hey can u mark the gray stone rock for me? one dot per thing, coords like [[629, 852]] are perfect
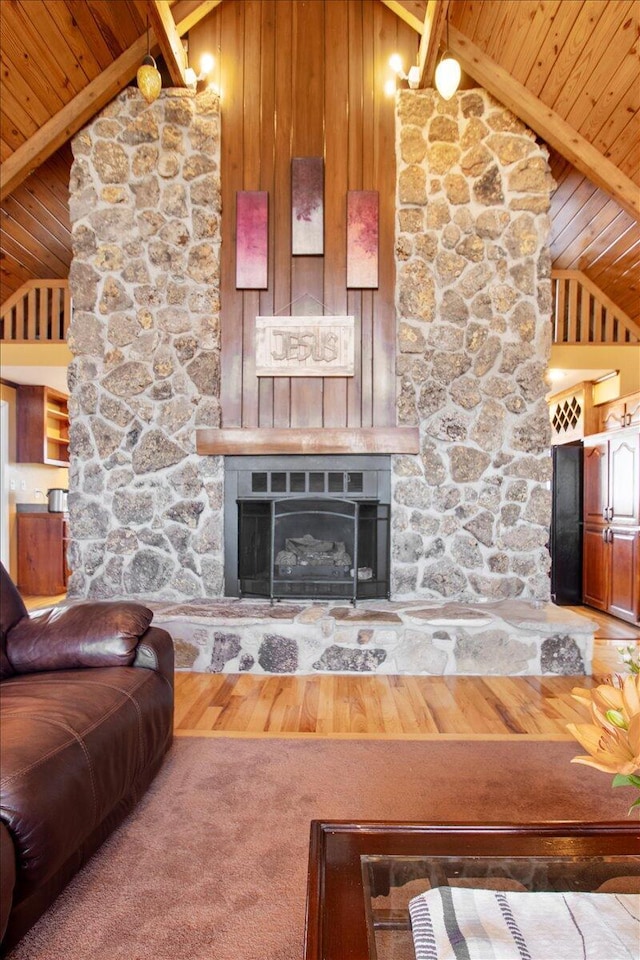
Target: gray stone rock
[[128, 379], [488, 188], [412, 185], [278, 654], [466, 552], [155, 452], [407, 548], [432, 397], [467, 464], [444, 579], [83, 282], [481, 526], [107, 437], [245, 663], [147, 573], [132, 506], [204, 371], [404, 580], [465, 392], [186, 511], [88, 520], [498, 588], [337, 659], [561, 655], [492, 652], [226, 646], [121, 541], [416, 291]]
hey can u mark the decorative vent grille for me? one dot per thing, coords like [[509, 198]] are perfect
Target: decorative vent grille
[[313, 481], [567, 415]]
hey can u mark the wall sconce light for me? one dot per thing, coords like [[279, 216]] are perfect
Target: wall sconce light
[[148, 75], [206, 66], [448, 73], [412, 78]]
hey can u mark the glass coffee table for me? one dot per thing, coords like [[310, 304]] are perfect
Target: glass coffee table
[[362, 875]]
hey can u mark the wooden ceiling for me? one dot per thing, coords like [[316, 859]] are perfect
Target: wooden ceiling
[[571, 65]]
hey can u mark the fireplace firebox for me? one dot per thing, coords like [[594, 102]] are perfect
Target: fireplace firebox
[[307, 527]]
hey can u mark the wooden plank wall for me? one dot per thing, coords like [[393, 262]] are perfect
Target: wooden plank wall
[[306, 78]]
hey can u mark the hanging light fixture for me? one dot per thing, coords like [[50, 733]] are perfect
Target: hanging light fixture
[[148, 76], [448, 73]]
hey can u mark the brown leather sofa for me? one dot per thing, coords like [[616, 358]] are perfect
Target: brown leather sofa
[[86, 717]]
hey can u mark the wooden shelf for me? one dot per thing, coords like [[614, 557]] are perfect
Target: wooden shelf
[[43, 426]]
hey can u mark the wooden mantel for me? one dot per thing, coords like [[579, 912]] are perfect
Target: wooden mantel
[[235, 441]]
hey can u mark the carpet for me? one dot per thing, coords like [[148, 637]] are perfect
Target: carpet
[[212, 864]]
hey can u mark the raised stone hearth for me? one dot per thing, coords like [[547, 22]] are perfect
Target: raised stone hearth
[[506, 638]]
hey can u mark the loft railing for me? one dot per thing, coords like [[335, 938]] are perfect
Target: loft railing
[[584, 314], [39, 312]]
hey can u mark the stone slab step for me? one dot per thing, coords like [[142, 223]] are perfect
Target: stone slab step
[[502, 638]]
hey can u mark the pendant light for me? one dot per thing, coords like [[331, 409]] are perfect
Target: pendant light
[[448, 73], [148, 76]]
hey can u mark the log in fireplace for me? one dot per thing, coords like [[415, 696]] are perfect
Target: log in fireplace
[[307, 527]]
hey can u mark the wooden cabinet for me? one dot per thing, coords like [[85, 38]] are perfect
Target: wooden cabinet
[[624, 412], [42, 541], [611, 534], [42, 426]]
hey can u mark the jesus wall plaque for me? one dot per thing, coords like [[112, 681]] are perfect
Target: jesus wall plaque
[[304, 347]]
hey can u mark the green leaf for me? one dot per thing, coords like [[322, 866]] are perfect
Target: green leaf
[[636, 803], [621, 780], [634, 780]]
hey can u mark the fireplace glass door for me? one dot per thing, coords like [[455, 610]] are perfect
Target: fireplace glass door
[[310, 548]]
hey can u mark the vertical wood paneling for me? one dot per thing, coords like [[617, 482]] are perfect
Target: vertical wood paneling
[[308, 141], [267, 173], [282, 190], [306, 78], [336, 175], [232, 154]]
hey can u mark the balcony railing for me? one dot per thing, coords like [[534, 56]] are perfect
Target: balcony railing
[[39, 312], [583, 314]]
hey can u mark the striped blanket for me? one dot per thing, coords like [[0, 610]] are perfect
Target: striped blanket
[[452, 923]]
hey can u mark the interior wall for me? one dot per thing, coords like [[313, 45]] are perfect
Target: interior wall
[[595, 357], [297, 79]]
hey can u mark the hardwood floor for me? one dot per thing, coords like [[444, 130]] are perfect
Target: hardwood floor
[[394, 706], [389, 706]]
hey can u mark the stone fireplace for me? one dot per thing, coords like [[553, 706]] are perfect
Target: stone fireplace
[[469, 514]]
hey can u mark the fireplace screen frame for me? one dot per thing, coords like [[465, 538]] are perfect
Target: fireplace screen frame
[[270, 488]]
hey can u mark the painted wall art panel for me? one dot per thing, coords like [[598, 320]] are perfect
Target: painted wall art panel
[[252, 239], [362, 239], [307, 205]]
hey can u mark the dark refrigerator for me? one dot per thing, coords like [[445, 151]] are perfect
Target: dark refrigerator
[[566, 524]]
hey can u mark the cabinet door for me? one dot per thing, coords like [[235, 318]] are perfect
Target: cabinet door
[[624, 482], [40, 566], [613, 415], [624, 599], [595, 567], [633, 410], [596, 481]]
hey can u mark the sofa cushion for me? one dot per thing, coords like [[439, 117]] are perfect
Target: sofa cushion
[[73, 745], [94, 634]]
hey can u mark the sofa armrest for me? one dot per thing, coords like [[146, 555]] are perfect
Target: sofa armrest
[[155, 652], [7, 876], [91, 634]]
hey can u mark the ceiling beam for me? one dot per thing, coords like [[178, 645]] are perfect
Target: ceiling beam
[[545, 122], [400, 11], [435, 19], [169, 40], [73, 116]]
